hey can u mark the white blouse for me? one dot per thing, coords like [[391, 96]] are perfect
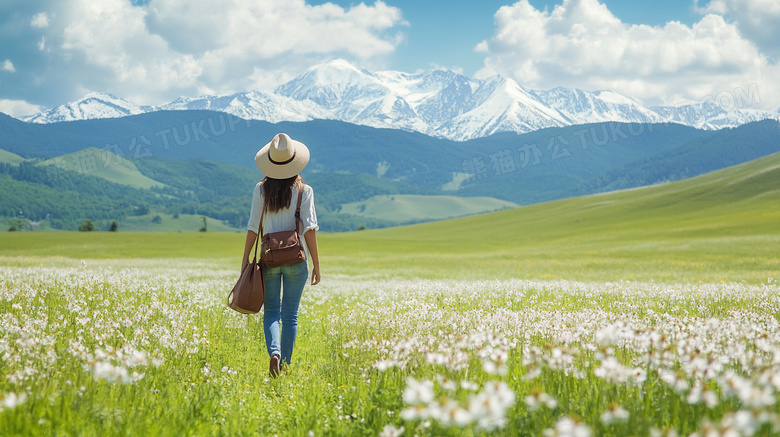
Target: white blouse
[[283, 220]]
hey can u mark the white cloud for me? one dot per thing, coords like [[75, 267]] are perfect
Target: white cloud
[[581, 43], [9, 66], [40, 20], [172, 47], [758, 20], [18, 108], [42, 44], [112, 34]]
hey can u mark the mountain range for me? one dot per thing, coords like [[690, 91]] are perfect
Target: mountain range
[[192, 163], [437, 103]]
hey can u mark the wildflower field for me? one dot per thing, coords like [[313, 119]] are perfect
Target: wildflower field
[[646, 313], [146, 346]]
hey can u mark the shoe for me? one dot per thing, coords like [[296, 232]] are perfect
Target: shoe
[[273, 369]]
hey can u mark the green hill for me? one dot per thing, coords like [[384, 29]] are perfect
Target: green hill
[[105, 165], [404, 208], [10, 158], [724, 221]]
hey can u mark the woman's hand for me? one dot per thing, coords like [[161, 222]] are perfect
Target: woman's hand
[[315, 275]]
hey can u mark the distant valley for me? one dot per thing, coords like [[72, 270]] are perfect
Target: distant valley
[[146, 169]]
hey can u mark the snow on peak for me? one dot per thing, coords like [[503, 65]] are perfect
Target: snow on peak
[[337, 63], [334, 71], [336, 86], [581, 107], [102, 96], [613, 97], [92, 106]]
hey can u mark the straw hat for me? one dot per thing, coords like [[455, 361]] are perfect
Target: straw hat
[[282, 158]]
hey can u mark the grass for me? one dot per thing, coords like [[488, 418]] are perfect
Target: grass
[[659, 306], [104, 164], [167, 223], [10, 158], [403, 208]]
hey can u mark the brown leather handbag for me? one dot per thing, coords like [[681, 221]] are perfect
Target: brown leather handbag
[[248, 295], [283, 248]]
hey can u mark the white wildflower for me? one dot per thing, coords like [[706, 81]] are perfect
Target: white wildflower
[[415, 412], [615, 413], [446, 383], [435, 359], [668, 432], [111, 373], [533, 374], [567, 427], [448, 412], [12, 400], [468, 385], [418, 392], [489, 407], [609, 335], [700, 393], [537, 399], [137, 358], [496, 362], [755, 397], [391, 431], [639, 375], [383, 365]]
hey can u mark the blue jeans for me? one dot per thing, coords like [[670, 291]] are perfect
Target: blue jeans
[[283, 307]]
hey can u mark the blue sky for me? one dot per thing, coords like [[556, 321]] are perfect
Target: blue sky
[[153, 51], [444, 32]]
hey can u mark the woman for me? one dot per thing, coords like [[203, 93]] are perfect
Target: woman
[[281, 161]]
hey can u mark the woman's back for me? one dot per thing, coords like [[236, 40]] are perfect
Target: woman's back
[[284, 219]]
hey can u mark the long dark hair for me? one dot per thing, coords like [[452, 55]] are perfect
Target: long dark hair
[[278, 192]]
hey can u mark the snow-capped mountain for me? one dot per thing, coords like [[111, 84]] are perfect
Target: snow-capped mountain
[[501, 105], [93, 105], [438, 103], [355, 95], [590, 107], [710, 115], [254, 105]]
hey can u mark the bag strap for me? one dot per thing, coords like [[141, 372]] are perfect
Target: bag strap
[[262, 214], [298, 221]]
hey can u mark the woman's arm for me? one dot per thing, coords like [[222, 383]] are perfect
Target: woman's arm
[[250, 243], [311, 242]]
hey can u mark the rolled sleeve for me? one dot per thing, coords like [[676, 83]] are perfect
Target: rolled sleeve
[[308, 214], [254, 216]]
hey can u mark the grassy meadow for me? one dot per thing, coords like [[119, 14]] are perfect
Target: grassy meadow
[[405, 208], [650, 312]]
